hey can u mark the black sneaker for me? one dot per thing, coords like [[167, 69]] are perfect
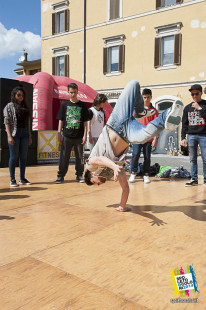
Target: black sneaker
[[59, 180], [191, 183], [145, 113], [13, 183], [24, 182], [80, 179]]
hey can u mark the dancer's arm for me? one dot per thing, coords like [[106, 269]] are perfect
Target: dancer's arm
[[125, 189], [103, 161]]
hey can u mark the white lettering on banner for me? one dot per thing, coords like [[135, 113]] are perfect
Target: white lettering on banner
[[82, 96], [64, 92], [35, 110]]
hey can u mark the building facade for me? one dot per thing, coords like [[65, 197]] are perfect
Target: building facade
[[106, 43]]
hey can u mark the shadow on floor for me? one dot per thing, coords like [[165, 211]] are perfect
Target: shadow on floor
[[195, 212], [4, 217]]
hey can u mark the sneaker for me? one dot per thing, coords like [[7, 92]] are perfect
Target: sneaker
[[174, 116], [132, 177], [192, 183], [24, 182], [146, 179], [59, 180], [145, 113], [13, 183], [80, 179]]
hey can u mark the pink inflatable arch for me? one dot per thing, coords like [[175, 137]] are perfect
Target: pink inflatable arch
[[48, 93]]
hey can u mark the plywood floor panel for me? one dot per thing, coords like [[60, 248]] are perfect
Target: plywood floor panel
[[30, 285]]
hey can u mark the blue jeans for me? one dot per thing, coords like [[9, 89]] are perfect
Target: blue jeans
[[126, 126], [66, 147], [193, 141], [136, 151], [19, 150]]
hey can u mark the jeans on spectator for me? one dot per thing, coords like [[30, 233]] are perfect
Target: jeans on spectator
[[19, 151], [193, 141], [66, 147], [125, 125], [136, 151]]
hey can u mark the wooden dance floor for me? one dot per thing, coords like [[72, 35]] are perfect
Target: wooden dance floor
[[63, 246]]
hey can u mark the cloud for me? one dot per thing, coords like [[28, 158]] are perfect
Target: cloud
[[13, 42]]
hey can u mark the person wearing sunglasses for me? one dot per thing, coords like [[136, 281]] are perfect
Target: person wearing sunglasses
[[194, 127], [17, 120]]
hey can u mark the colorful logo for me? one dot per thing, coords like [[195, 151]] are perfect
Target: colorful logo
[[184, 282]]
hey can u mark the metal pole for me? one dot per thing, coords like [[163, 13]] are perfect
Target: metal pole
[[85, 15]]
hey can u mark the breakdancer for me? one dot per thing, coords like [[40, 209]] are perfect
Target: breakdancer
[[107, 157]]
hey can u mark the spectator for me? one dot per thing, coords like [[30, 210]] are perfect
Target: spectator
[[96, 124], [73, 117], [17, 120], [146, 147], [194, 126]]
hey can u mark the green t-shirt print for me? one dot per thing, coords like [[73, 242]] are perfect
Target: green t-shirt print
[[73, 116]]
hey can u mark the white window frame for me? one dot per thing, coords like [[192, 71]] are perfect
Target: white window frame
[[108, 11], [59, 52], [166, 31], [115, 41]]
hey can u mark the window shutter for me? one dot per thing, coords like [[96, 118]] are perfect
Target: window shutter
[[105, 60], [114, 9], [66, 65], [53, 23], [157, 52], [158, 4], [179, 1], [54, 70], [177, 48], [121, 57], [66, 20]]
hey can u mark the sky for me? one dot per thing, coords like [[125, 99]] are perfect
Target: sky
[[20, 28]]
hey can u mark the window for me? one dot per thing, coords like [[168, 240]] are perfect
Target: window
[[168, 46], [167, 50], [113, 55], [114, 9], [60, 22], [60, 61], [60, 18], [164, 3]]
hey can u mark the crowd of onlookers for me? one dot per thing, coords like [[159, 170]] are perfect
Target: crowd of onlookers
[[77, 122]]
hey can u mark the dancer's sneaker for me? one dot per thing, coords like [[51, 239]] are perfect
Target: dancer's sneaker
[[132, 177], [174, 116], [192, 182], [145, 113]]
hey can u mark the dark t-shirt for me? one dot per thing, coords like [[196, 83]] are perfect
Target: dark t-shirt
[[22, 115], [73, 115], [194, 121]]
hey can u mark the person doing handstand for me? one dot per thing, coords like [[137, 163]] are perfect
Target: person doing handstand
[[107, 156]]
